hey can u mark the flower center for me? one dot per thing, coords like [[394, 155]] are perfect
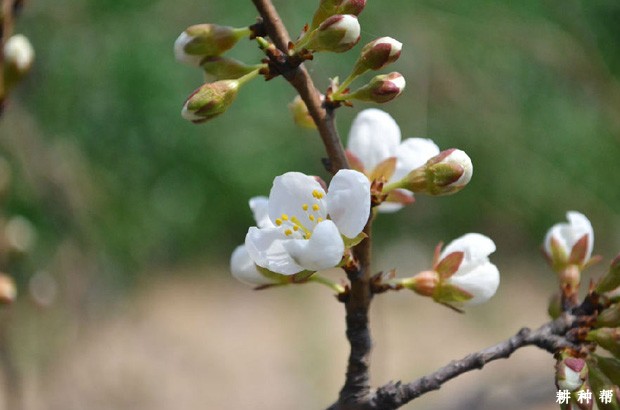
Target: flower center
[[300, 226]]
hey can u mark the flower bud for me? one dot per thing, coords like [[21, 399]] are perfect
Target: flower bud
[[301, 116], [224, 68], [424, 283], [8, 291], [380, 89], [444, 174], [606, 337], [337, 34], [609, 317], [18, 58], [210, 100], [570, 243], [570, 373], [600, 382], [377, 54], [205, 40], [328, 8], [610, 366], [611, 281]]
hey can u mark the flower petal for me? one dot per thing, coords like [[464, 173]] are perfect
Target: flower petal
[[323, 250], [474, 245], [290, 192], [481, 282], [348, 201], [567, 234], [412, 153], [260, 209], [266, 248], [373, 137], [244, 269]]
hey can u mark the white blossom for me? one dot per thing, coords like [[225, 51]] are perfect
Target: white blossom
[[564, 236]]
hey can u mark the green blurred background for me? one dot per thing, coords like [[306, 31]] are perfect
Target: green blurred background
[[119, 189]]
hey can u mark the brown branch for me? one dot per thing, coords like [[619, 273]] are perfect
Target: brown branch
[[549, 337], [302, 82]]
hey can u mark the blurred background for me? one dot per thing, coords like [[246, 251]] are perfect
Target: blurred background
[[121, 216]]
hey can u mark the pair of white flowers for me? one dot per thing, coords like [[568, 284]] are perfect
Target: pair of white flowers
[[302, 228]]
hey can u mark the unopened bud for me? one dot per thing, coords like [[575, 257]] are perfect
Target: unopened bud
[[571, 373], [337, 34], [224, 68], [606, 337], [18, 58], [610, 366], [600, 382], [8, 291], [444, 174], [206, 40], [377, 54], [380, 89], [328, 8], [210, 100], [609, 317], [301, 116], [612, 280]]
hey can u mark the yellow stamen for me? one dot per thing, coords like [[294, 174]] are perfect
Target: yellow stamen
[[311, 217], [295, 228], [304, 207], [288, 232], [284, 217], [278, 221], [320, 220], [315, 207]]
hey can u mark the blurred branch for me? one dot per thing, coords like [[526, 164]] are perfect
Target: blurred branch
[[6, 28]]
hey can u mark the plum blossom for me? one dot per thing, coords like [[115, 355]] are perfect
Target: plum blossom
[[570, 243], [475, 274], [374, 138], [301, 228]]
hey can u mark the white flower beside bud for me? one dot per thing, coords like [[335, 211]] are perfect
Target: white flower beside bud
[[571, 373], [19, 52], [570, 243]]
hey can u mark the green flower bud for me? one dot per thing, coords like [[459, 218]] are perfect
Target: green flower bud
[[337, 34], [210, 100], [611, 367], [607, 338], [206, 40], [377, 54], [380, 89], [609, 317], [444, 174], [224, 68], [301, 116], [328, 8], [612, 280]]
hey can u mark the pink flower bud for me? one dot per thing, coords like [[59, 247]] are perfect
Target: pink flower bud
[[205, 40], [210, 100], [337, 34], [571, 373], [377, 54], [380, 89]]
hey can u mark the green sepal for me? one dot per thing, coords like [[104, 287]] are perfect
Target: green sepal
[[351, 242], [447, 294], [599, 381], [449, 265], [610, 367]]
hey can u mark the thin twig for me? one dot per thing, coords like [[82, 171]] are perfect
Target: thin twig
[[302, 82]]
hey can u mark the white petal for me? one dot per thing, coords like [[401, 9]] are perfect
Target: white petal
[[373, 137], [244, 269], [267, 249], [260, 209], [323, 250], [567, 234], [18, 50], [290, 192], [180, 53], [351, 28], [482, 282], [474, 245], [412, 153], [389, 207], [348, 201], [461, 158]]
